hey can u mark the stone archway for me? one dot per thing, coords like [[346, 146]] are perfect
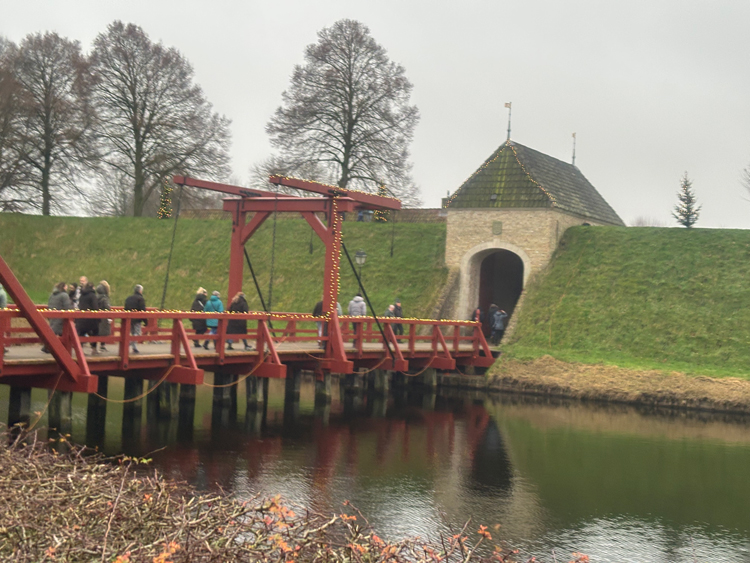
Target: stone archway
[[492, 272]]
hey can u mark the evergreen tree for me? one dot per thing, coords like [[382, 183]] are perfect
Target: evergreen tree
[[686, 211]]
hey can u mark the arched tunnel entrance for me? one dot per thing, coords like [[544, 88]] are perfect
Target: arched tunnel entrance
[[500, 282]]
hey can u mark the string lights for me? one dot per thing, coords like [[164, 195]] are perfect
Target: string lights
[[165, 201]]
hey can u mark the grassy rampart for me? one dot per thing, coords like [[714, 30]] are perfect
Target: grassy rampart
[[126, 251], [670, 299]]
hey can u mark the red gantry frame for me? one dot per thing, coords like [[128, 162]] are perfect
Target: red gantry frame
[[441, 345], [262, 204]]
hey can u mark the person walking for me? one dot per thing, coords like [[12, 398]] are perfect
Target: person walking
[[136, 302], [88, 327], [199, 304], [105, 325], [238, 326], [59, 300], [318, 312], [77, 290], [398, 328], [488, 319], [213, 305], [357, 308], [498, 326]]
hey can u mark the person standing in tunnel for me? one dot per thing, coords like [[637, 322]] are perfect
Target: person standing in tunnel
[[498, 326]]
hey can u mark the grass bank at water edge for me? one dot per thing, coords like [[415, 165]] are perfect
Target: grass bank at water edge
[[128, 250], [643, 298]]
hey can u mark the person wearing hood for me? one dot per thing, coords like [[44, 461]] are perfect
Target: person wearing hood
[[105, 325], [238, 326], [357, 308], [213, 305], [88, 327], [59, 300], [199, 323]]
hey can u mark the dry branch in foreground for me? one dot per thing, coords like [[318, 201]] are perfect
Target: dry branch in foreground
[[76, 507]]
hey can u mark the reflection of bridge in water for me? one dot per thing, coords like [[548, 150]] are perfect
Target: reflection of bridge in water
[[411, 433], [284, 343]]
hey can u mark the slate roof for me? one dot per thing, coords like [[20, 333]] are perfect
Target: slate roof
[[517, 176]]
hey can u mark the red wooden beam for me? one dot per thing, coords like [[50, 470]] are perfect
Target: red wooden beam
[[224, 188], [38, 322], [289, 205], [365, 200]]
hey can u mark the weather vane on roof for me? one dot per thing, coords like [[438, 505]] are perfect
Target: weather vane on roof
[[507, 105], [574, 149]]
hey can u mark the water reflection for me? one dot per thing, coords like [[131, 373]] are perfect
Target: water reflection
[[618, 483]]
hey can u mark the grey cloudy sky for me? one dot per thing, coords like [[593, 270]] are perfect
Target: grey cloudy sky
[[653, 88]]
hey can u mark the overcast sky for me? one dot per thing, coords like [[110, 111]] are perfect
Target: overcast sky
[[652, 88]]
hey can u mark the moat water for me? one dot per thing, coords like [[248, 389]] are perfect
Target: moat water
[[617, 483]]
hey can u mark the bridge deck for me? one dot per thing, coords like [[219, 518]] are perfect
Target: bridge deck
[[167, 348], [28, 355]]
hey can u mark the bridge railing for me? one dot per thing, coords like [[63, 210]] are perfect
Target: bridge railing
[[438, 341]]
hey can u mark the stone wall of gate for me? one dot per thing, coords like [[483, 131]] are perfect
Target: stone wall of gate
[[474, 234]]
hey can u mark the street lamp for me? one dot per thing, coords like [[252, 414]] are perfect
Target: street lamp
[[360, 258]]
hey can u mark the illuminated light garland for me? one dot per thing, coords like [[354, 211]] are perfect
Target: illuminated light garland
[[165, 201], [508, 143]]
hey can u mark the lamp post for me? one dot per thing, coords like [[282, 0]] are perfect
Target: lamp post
[[360, 258]]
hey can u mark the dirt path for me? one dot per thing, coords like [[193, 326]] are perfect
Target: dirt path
[[548, 376]]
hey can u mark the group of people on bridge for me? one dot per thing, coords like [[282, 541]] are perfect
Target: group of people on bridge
[[83, 296]]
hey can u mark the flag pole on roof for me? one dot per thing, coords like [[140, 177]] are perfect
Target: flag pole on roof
[[574, 150], [507, 105]]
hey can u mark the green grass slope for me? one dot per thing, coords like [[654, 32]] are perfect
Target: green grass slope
[[126, 251], [674, 299]]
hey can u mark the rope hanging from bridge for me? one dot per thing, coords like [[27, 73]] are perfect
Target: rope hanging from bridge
[[364, 294], [171, 248], [273, 250], [239, 379]]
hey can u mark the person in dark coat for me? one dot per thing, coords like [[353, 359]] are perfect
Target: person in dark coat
[[88, 327], [398, 329], [477, 316], [498, 326], [136, 302], [59, 300], [73, 294], [105, 325], [199, 324], [488, 319], [238, 326]]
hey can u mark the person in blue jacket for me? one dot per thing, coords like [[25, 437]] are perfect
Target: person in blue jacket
[[213, 305]]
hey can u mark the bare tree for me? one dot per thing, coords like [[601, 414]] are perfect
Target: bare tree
[[275, 165], [347, 111], [154, 121], [12, 172], [52, 120]]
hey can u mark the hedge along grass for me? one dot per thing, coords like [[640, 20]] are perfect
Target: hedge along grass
[[674, 299], [129, 250]]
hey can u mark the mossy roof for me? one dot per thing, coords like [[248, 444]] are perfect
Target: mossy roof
[[517, 176]]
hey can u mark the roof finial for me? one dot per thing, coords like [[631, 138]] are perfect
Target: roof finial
[[507, 105], [574, 149]]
